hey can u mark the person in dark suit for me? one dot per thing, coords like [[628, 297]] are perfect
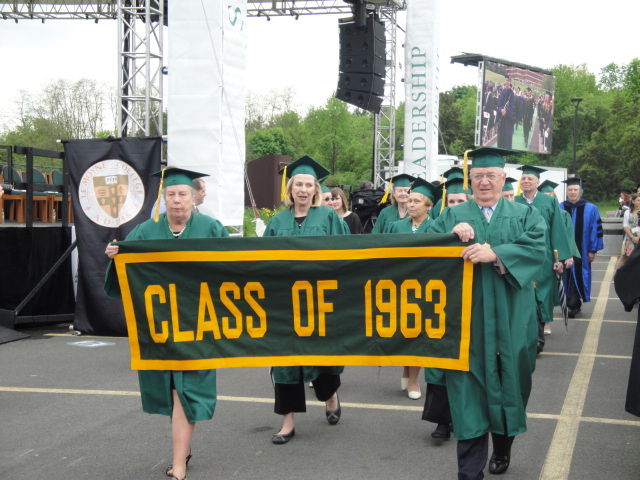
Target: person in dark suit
[[527, 116], [506, 114]]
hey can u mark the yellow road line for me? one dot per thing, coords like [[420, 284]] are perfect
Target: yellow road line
[[355, 405], [569, 354], [558, 461]]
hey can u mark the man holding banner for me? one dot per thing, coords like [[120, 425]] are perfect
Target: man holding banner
[[509, 240]]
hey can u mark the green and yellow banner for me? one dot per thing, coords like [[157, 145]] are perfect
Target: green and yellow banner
[[402, 299]]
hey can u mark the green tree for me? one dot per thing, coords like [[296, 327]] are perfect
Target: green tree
[[339, 139], [271, 141]]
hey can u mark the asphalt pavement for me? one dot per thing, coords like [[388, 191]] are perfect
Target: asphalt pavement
[[70, 409]]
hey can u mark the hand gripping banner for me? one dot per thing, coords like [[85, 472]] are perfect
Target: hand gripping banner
[[358, 300]]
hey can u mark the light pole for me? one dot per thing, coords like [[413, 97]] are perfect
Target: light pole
[[576, 102]]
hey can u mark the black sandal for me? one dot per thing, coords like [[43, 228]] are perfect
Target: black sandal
[[170, 467]]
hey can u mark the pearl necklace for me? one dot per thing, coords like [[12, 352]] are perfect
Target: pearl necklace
[[176, 235]]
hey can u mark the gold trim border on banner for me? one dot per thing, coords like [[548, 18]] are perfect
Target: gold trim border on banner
[[137, 363]]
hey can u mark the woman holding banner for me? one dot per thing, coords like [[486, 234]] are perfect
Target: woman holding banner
[[421, 197], [304, 216], [187, 396]]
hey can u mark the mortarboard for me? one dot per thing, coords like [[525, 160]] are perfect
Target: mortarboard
[[177, 176], [420, 185], [531, 170], [508, 184], [455, 185], [485, 157], [547, 186], [170, 177], [401, 180], [453, 172], [305, 165], [573, 181]]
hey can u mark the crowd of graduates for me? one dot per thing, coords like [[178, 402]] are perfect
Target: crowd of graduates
[[524, 246]]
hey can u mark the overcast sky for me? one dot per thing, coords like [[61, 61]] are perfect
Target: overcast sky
[[303, 53]]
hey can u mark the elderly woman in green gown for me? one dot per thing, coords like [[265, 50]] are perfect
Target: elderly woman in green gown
[[189, 396], [422, 196], [304, 216], [399, 188]]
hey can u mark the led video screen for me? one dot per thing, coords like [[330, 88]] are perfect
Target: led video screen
[[515, 110]]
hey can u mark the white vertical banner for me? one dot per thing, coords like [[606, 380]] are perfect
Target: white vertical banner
[[421, 79], [206, 100]]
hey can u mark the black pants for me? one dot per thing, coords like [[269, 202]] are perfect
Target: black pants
[[573, 295], [291, 398], [472, 453], [472, 457], [436, 405]]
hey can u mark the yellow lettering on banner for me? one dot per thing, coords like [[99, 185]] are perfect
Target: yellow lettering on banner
[[368, 317], [148, 303], [206, 308], [407, 309], [438, 308], [261, 329], [225, 288], [303, 286], [178, 335], [324, 307], [389, 307]]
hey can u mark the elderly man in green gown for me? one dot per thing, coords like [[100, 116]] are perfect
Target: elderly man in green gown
[[557, 239], [506, 240]]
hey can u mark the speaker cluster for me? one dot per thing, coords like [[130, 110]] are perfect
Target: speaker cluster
[[362, 64]]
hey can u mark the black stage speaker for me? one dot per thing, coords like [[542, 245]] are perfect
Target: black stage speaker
[[362, 64]]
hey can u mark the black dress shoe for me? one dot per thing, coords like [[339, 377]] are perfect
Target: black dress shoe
[[540, 348], [334, 416], [282, 438], [443, 430], [498, 465]]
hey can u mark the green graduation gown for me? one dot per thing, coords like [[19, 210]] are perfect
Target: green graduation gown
[[404, 226], [320, 221], [502, 320], [435, 211], [387, 216], [557, 239], [196, 389], [431, 375]]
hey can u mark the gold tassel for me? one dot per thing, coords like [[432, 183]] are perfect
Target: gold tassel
[[156, 213], [444, 197], [283, 186], [465, 168], [386, 194], [518, 189]]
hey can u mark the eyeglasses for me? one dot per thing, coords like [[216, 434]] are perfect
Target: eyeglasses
[[492, 177]]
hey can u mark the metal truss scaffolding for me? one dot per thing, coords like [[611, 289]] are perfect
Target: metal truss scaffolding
[[140, 83], [385, 122]]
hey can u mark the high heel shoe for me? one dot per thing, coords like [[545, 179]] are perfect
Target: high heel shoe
[[282, 438], [404, 383], [333, 417], [415, 395], [170, 467]]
